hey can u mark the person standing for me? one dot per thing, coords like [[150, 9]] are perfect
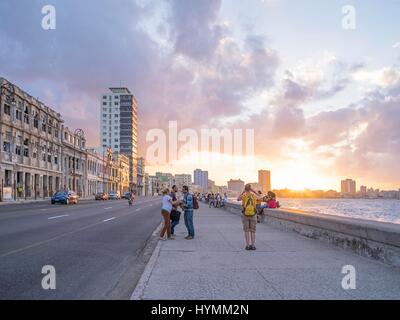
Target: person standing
[[175, 213], [187, 204], [166, 208], [249, 215]]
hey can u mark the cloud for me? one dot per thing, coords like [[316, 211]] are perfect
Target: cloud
[[194, 30]]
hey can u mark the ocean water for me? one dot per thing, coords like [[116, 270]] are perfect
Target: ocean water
[[385, 210]]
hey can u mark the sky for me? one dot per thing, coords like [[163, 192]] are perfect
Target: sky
[[323, 100]]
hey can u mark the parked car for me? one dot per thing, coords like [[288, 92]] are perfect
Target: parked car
[[126, 195], [64, 197], [114, 196], [101, 196]]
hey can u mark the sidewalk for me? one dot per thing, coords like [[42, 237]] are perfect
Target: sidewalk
[[285, 266]]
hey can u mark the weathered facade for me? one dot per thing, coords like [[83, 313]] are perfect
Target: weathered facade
[[31, 146]]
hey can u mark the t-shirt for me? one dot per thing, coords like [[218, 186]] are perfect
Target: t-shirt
[[166, 205], [272, 203]]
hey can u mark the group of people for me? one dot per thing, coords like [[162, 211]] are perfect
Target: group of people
[[253, 205], [171, 213], [216, 200]]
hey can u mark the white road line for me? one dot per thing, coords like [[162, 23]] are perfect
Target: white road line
[[43, 209], [56, 217], [137, 209], [108, 208], [109, 219]]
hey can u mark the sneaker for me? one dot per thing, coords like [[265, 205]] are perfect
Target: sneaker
[[253, 248], [163, 239], [171, 238], [189, 238], [247, 248]]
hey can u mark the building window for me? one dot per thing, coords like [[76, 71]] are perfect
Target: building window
[[26, 115], [116, 146], [36, 122], [44, 126], [104, 103], [6, 146], [7, 109], [56, 160], [18, 150], [49, 158], [18, 115], [26, 152]]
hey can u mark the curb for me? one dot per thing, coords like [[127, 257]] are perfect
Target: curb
[[144, 279]]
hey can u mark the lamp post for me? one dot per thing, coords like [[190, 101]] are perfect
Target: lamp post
[[80, 134]]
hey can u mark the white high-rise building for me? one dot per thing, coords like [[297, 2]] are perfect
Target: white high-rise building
[[118, 126], [200, 178]]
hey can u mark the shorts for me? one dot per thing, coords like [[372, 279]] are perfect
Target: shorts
[[249, 223]]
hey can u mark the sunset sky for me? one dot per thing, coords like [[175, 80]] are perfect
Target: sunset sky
[[324, 102]]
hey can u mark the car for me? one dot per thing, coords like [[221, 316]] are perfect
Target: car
[[64, 197], [126, 195], [114, 195], [101, 196]]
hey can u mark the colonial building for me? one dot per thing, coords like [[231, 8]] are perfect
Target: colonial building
[[31, 145], [140, 168], [121, 170], [94, 172], [39, 155], [74, 161]]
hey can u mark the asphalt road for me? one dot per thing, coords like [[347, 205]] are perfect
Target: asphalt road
[[98, 249]]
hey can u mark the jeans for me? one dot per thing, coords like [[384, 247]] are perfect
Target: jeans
[[260, 208], [189, 222], [174, 223]]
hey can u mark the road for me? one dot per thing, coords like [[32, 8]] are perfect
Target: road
[[96, 248]]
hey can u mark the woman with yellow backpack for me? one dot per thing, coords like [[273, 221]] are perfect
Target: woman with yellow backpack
[[249, 215]]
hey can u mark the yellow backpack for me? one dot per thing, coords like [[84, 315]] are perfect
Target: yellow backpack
[[249, 205]]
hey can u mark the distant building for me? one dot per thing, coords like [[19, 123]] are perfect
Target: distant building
[[363, 190], [348, 186], [264, 180], [182, 179], [200, 178], [236, 185]]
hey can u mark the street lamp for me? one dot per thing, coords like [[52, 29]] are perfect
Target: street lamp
[[80, 134]]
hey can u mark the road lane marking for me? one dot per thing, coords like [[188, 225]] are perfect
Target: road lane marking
[[137, 209], [43, 209], [109, 219], [56, 217], [37, 244], [108, 208]]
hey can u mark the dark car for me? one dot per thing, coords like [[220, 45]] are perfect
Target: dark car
[[126, 195], [64, 197], [101, 196]]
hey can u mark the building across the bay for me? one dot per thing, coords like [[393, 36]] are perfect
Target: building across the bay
[[264, 181], [236, 186], [348, 187]]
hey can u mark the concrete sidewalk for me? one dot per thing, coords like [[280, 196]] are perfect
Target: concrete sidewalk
[[285, 266]]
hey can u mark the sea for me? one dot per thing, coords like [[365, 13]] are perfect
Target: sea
[[385, 210]]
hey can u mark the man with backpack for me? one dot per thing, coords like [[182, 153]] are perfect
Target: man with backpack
[[189, 203], [249, 215]]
